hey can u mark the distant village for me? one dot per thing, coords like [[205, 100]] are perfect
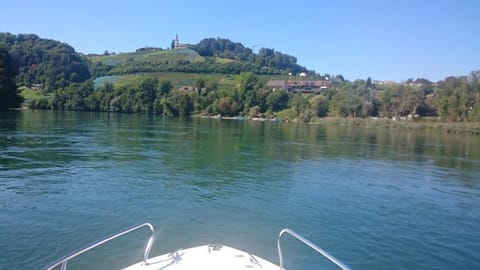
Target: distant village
[[300, 86], [296, 84]]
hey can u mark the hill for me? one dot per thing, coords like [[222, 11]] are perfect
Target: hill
[[49, 65], [208, 56], [44, 63]]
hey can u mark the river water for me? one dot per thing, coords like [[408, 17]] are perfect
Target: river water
[[374, 198]]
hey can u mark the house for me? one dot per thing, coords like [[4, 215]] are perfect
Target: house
[[189, 88], [277, 84], [383, 82], [37, 86], [300, 86], [307, 86]]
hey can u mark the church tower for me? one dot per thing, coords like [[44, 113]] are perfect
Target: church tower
[[177, 44]]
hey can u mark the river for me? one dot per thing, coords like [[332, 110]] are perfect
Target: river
[[374, 198]]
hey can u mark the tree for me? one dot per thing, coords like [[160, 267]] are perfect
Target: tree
[[246, 81], [340, 78], [414, 98], [277, 100], [254, 111], [387, 106], [352, 99], [456, 98], [298, 104], [368, 83], [165, 87], [393, 103], [212, 86], [319, 105], [9, 97], [200, 84], [474, 80], [146, 94], [180, 103]]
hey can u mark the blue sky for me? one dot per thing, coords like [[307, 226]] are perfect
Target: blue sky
[[386, 40]]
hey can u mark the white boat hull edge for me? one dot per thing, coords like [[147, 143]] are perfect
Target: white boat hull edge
[[208, 257]]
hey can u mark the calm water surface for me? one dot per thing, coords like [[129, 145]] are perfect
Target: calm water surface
[[374, 198]]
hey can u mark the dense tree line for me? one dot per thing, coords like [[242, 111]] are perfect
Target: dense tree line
[[225, 48], [9, 97], [207, 66], [458, 98], [159, 97], [43, 61], [266, 58], [454, 99]]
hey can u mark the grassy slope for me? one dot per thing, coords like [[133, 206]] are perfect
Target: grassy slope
[[179, 79], [31, 94], [224, 81], [155, 56]]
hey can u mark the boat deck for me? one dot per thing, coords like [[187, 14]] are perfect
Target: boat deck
[[211, 257]]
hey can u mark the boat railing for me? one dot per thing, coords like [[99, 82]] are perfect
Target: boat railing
[[308, 243], [64, 260]]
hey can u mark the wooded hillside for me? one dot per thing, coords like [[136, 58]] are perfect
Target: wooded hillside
[[44, 63]]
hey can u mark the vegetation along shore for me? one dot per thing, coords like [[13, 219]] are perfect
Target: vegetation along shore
[[220, 78]]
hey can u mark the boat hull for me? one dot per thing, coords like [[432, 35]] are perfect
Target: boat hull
[[211, 257]]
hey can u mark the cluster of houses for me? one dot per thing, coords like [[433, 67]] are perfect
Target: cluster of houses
[[300, 86], [189, 88], [292, 86]]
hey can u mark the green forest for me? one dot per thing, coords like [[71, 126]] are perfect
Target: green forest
[[63, 79]]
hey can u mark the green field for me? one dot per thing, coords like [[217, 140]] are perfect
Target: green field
[[167, 56], [30, 94], [179, 79], [170, 56]]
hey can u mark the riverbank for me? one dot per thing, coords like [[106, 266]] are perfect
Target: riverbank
[[429, 124]]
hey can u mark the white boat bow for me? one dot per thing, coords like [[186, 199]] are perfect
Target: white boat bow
[[211, 257]]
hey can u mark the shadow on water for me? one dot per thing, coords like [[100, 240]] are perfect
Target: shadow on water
[[32, 140], [38, 141]]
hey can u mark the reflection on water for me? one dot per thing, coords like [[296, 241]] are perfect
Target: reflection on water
[[372, 197]]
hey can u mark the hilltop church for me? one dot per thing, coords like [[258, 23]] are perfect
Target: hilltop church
[[178, 45]]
